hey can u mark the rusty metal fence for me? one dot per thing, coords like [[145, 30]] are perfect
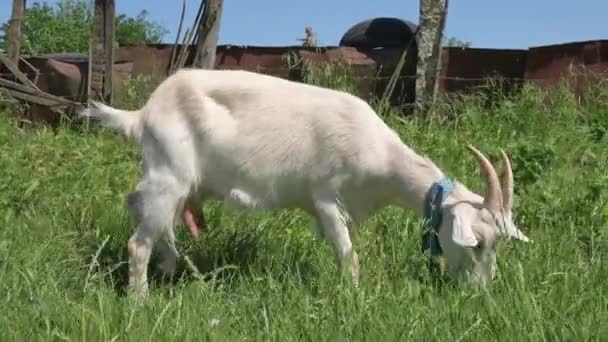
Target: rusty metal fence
[[462, 69]]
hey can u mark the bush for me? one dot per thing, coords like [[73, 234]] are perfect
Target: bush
[[135, 91], [67, 27]]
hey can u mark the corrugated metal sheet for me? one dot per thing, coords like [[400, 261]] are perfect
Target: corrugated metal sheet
[[462, 69], [155, 59], [547, 64]]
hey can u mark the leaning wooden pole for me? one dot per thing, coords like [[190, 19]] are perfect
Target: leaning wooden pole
[[437, 50], [102, 52], [14, 31], [208, 35]]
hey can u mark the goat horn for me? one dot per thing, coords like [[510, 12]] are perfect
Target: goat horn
[[493, 196], [507, 182]]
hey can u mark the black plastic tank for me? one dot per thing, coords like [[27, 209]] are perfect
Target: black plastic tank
[[379, 32]]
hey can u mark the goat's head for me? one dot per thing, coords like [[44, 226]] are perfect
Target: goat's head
[[471, 228]]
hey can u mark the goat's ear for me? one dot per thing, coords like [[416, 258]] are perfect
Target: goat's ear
[[462, 232]]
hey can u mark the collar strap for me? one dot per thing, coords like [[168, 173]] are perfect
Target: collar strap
[[433, 201]]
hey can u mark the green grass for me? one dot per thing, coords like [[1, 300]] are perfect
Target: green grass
[[64, 228]]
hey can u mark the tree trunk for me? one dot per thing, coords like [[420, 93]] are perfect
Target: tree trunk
[[208, 35], [102, 52], [14, 31], [432, 22]]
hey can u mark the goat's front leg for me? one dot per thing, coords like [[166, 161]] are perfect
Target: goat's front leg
[[335, 230]]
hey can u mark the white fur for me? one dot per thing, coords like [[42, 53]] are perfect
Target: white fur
[[262, 142]]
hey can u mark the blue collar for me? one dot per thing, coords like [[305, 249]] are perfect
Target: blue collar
[[432, 214]]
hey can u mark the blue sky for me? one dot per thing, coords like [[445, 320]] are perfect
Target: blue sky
[[485, 23]]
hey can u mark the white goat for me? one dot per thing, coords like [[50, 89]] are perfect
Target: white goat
[[257, 141]]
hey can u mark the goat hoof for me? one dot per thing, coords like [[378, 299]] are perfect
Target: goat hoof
[[138, 294]]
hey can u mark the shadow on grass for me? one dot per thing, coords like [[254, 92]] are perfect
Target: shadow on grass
[[219, 255], [414, 265], [231, 255]]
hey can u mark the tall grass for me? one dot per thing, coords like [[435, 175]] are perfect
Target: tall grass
[[64, 230]]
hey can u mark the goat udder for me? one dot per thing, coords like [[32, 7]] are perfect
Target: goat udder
[[190, 220]]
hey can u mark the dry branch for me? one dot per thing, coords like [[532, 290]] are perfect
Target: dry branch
[[390, 87], [32, 68], [179, 32], [26, 90], [14, 68], [26, 93], [184, 51]]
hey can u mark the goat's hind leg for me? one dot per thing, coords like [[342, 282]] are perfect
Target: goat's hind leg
[[153, 207], [168, 253]]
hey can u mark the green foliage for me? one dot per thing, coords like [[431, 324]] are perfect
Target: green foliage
[[332, 74], [67, 28], [48, 29], [135, 92], [455, 42], [138, 30], [64, 229]]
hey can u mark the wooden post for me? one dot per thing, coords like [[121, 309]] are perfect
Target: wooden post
[[432, 22], [14, 31], [208, 35], [102, 51]]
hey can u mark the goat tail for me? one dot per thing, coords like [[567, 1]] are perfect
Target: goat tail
[[126, 121]]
